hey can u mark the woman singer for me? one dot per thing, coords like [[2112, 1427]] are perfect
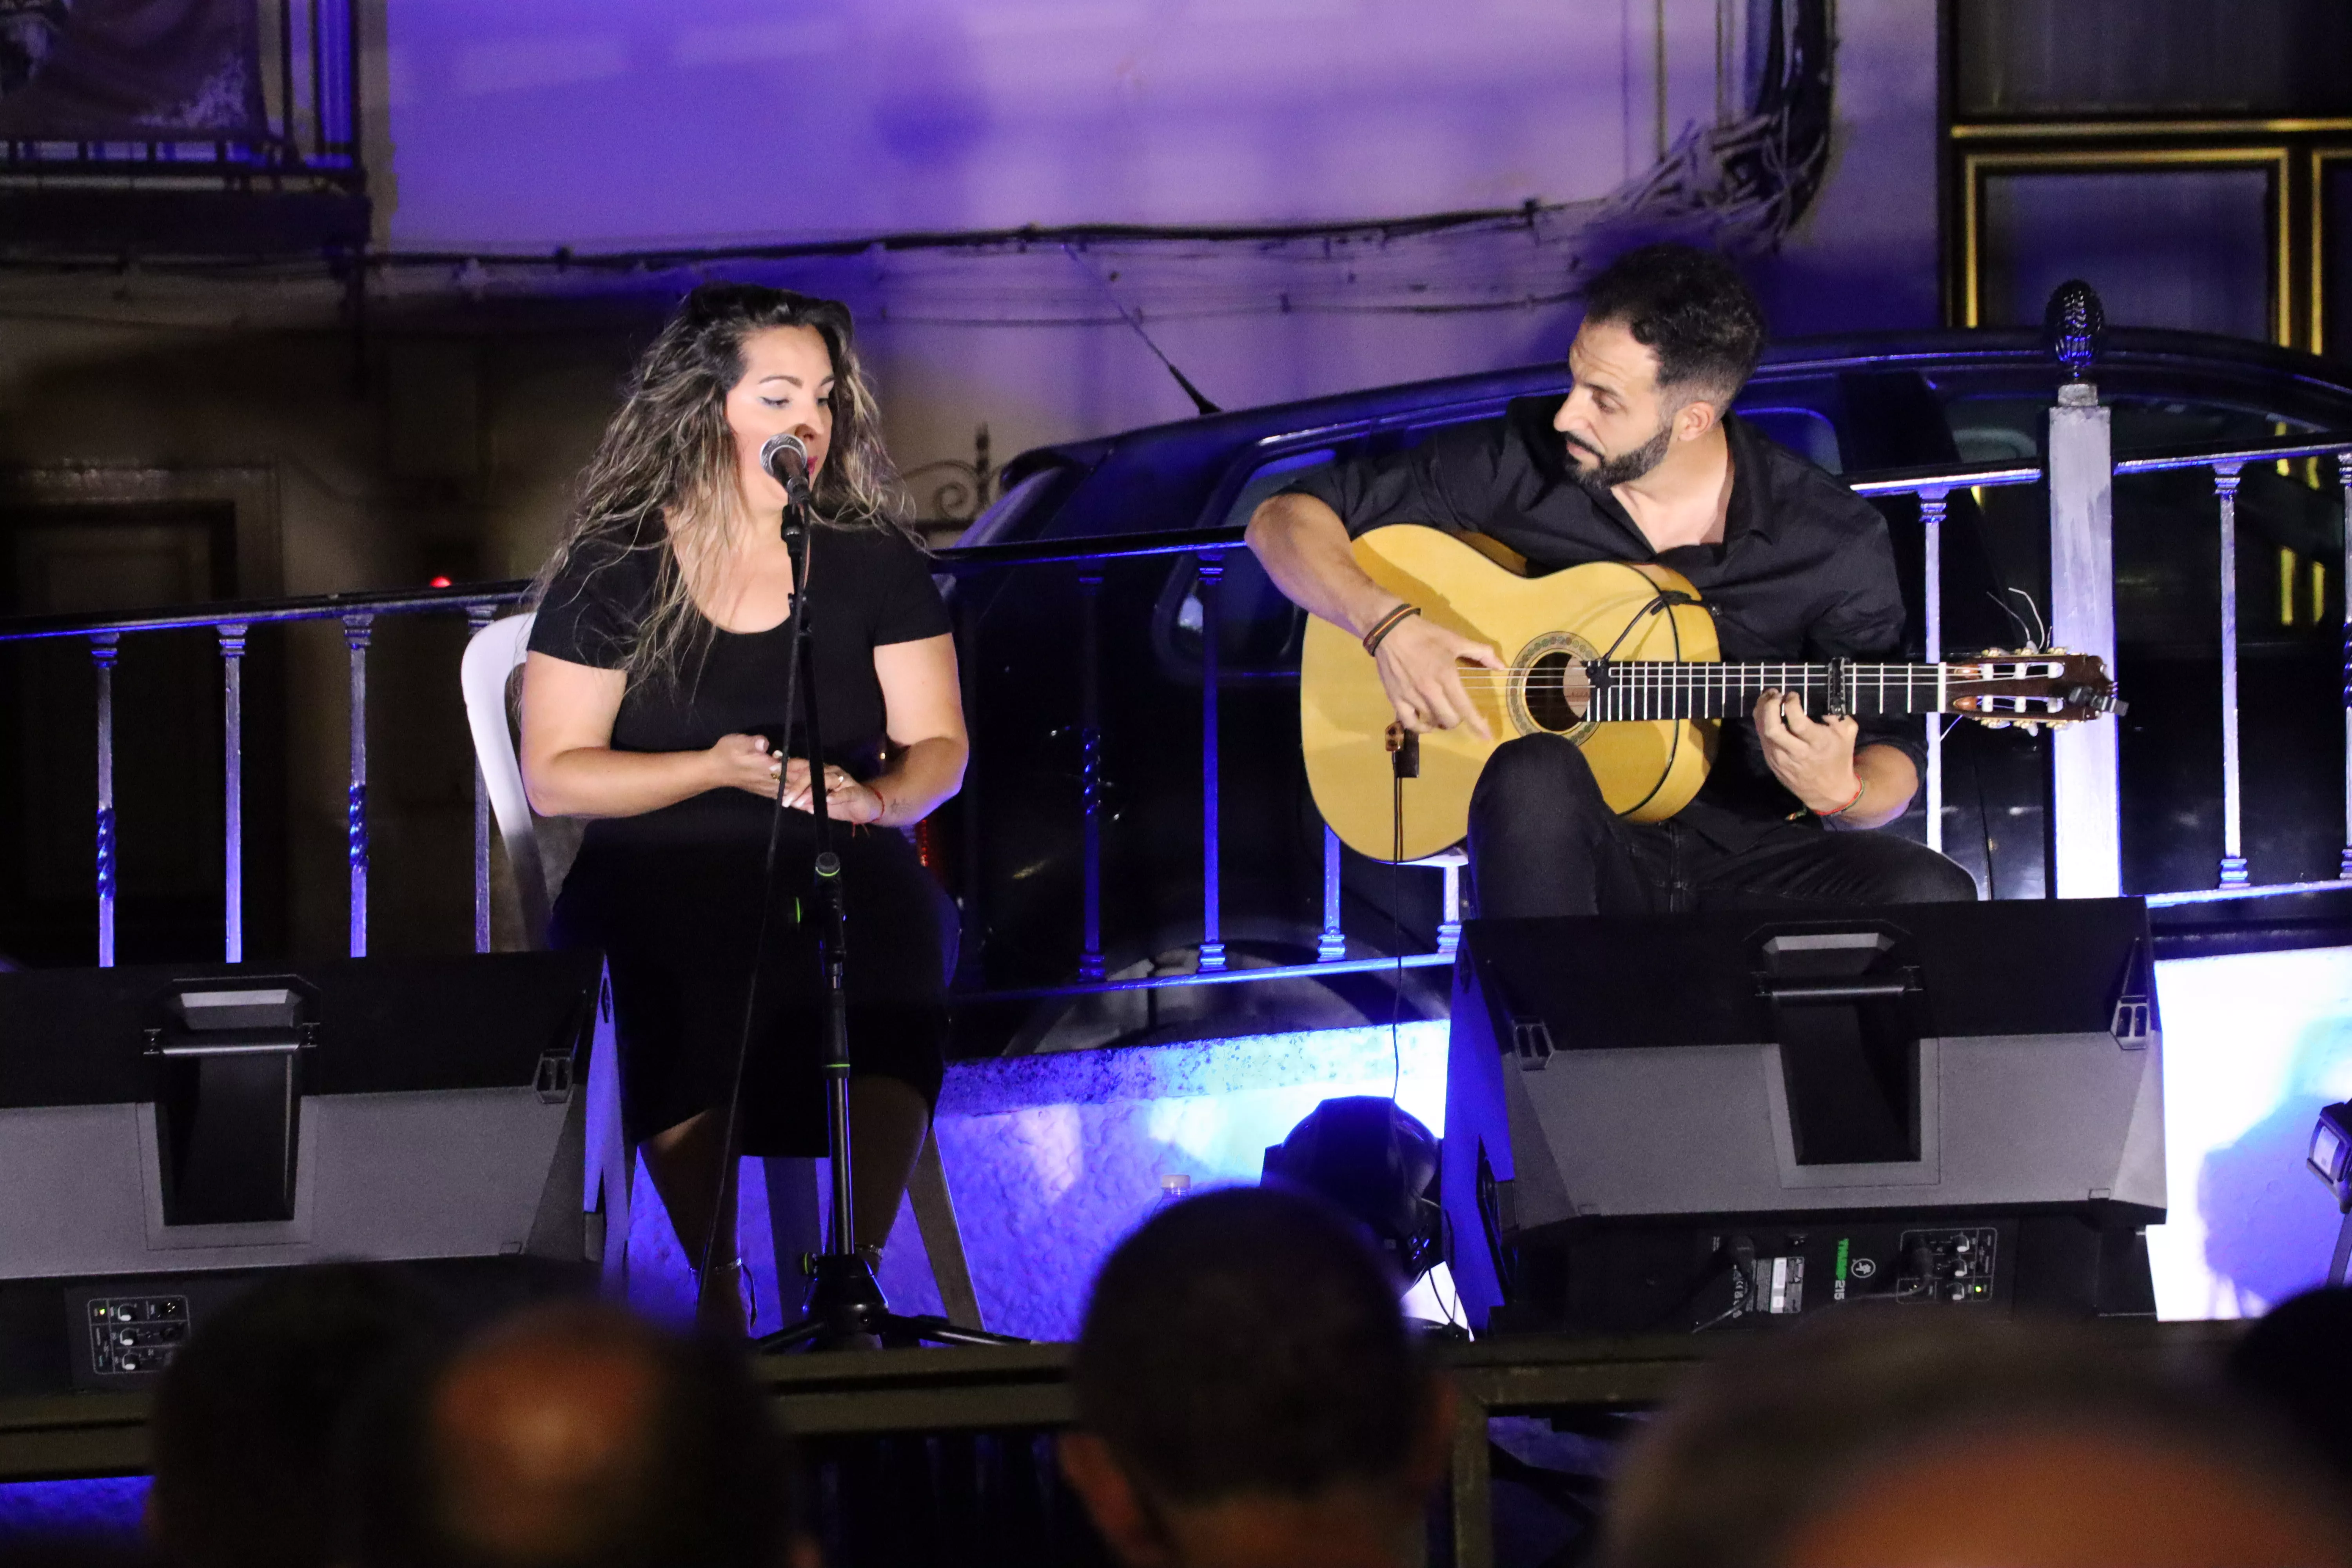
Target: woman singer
[[653, 703]]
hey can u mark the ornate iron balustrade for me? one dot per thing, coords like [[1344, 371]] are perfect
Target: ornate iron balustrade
[[359, 613]]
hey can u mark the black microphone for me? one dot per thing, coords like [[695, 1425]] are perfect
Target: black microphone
[[786, 457]]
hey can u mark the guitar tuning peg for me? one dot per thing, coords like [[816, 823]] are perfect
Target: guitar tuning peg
[[1996, 723], [2030, 726]]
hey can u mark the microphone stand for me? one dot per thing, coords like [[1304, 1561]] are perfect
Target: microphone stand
[[845, 1307]]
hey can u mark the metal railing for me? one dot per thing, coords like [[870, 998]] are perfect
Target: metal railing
[[309, 68], [358, 615]]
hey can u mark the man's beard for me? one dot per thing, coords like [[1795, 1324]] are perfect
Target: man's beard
[[1607, 473]]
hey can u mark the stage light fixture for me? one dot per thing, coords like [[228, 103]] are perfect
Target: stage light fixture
[[1366, 1156], [2330, 1158]]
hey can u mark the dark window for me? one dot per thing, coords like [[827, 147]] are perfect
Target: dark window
[[2043, 59]]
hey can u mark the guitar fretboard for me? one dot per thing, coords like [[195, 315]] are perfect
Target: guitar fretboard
[[1663, 689]]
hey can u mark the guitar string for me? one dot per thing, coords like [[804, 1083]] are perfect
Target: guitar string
[[1654, 680], [1684, 677], [1812, 672]]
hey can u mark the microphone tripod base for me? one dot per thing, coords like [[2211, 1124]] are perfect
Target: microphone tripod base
[[844, 1310]]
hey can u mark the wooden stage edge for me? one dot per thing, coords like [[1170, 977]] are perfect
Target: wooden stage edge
[[869, 1393]]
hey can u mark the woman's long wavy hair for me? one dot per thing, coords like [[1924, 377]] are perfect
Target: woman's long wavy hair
[[663, 478]]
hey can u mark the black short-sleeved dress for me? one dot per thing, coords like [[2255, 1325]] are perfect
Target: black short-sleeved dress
[[672, 897]]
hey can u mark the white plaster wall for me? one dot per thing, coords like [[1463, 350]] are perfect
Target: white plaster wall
[[615, 123], [1865, 256], [620, 124]]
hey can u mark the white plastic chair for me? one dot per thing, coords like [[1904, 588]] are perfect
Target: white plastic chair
[[1450, 861], [491, 658]]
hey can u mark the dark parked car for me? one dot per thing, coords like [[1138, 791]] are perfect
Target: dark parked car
[[1852, 406]]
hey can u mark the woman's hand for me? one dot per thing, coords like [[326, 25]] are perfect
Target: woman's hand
[[744, 762], [845, 800]]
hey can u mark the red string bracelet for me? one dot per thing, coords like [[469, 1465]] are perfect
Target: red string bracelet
[[1860, 789], [1385, 624]]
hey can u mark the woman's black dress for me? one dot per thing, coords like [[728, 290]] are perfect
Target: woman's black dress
[[672, 897]]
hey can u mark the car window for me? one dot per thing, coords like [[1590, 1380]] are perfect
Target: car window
[[2006, 425], [1000, 518], [1271, 478], [1258, 629], [2166, 592], [1807, 432]]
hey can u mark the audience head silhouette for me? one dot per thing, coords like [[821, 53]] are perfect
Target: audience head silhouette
[[246, 1415], [1249, 1392], [577, 1437], [1904, 1444], [2296, 1361]]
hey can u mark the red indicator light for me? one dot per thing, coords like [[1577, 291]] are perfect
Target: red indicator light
[[439, 583]]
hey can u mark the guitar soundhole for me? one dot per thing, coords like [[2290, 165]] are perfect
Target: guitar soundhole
[[1556, 692]]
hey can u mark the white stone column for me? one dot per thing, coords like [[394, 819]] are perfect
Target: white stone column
[[2086, 861]]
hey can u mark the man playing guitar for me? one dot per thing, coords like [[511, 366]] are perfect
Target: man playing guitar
[[1642, 462]]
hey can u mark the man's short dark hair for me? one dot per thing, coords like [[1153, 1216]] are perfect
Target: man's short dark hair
[[711, 1479], [1691, 309], [1250, 1342], [245, 1416], [1759, 1441], [2296, 1360]]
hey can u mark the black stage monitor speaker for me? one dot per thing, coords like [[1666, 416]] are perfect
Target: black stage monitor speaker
[[1693, 1121], [163, 1129]]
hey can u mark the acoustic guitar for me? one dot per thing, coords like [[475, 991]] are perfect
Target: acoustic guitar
[[1621, 658]]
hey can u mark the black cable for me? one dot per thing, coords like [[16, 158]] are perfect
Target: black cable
[[1984, 822], [1396, 923], [1668, 600], [1446, 1227], [1741, 1254]]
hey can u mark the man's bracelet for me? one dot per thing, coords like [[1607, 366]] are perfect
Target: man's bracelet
[[1860, 788], [1385, 624]]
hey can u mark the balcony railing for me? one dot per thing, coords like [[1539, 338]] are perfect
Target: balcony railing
[[2089, 810], [309, 135]]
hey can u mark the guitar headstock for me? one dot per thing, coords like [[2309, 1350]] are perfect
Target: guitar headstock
[[2030, 687]]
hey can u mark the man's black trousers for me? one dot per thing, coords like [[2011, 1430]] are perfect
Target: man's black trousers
[[1543, 842]]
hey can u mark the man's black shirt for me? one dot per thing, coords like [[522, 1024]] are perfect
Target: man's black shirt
[[1805, 571]]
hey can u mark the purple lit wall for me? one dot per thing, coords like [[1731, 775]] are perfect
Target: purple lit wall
[[617, 123], [624, 124]]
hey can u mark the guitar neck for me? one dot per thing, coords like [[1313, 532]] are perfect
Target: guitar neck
[[1637, 689]]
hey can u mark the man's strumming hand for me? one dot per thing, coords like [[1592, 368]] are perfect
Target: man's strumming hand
[[1420, 667]]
